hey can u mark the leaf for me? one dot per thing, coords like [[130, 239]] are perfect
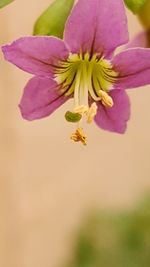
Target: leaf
[[52, 21], [5, 2], [135, 5]]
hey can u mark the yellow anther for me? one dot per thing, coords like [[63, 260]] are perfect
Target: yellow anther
[[79, 136], [91, 112], [81, 109], [107, 100]]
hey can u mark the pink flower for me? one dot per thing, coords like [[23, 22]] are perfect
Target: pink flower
[[141, 40], [83, 66]]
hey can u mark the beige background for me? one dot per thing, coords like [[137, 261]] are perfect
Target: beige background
[[47, 183]]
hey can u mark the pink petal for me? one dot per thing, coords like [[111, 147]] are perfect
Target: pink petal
[[36, 55], [96, 26], [133, 66], [114, 119], [41, 97], [141, 40]]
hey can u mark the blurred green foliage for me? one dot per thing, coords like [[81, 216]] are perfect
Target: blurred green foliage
[[144, 14], [134, 5], [52, 21], [5, 2], [114, 240]]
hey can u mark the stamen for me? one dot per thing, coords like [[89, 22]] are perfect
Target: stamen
[[84, 76], [91, 113], [81, 109], [79, 136], [107, 100]]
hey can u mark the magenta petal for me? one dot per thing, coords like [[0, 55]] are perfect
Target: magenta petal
[[114, 119], [133, 66], [41, 97], [36, 55], [141, 40], [96, 26]]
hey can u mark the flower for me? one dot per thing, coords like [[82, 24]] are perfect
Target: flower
[[83, 66], [141, 40]]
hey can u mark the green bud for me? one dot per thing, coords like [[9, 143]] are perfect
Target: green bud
[[72, 117], [5, 2], [144, 14], [135, 5], [52, 21]]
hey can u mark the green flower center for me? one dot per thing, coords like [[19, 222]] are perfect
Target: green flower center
[[85, 76]]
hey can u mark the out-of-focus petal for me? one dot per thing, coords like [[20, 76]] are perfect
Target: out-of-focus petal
[[140, 40], [133, 66]]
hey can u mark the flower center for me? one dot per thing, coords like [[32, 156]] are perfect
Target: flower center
[[89, 79]]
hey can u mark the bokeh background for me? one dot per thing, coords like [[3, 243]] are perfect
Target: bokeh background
[[47, 183]]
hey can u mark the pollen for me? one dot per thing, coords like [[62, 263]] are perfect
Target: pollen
[[79, 136]]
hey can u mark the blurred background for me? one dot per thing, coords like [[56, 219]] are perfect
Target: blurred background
[[49, 186]]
